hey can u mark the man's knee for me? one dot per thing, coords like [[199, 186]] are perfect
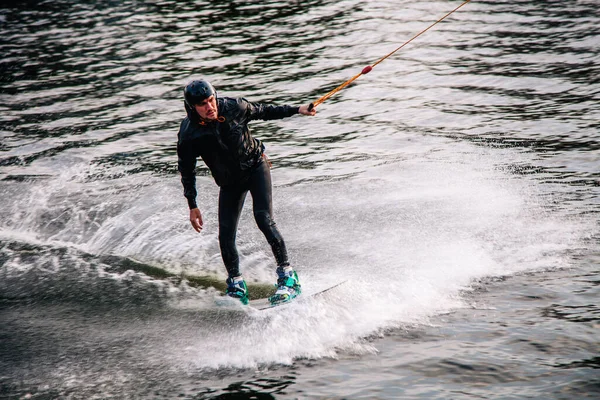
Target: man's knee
[[264, 220]]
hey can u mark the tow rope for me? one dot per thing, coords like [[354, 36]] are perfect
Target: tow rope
[[368, 68]]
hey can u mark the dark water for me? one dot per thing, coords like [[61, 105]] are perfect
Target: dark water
[[456, 187]]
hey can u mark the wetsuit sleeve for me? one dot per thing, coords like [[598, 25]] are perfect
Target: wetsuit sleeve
[[186, 164], [267, 111]]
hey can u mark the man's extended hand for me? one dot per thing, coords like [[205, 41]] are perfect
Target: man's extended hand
[[304, 110], [196, 219]]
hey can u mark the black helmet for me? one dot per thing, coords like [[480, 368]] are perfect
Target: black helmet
[[197, 91]]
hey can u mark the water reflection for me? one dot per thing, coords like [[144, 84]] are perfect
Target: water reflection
[[260, 389], [579, 313]]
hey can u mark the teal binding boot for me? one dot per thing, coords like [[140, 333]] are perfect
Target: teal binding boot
[[288, 286], [236, 288]]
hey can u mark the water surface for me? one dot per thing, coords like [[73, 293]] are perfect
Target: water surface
[[456, 187]]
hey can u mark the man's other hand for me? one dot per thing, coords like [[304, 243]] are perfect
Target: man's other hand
[[196, 219]]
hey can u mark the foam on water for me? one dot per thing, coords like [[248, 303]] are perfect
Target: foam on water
[[409, 236], [411, 239]]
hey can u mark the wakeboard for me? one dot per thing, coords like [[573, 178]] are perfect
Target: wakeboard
[[264, 304]]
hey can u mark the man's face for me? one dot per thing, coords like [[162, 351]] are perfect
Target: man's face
[[207, 109]]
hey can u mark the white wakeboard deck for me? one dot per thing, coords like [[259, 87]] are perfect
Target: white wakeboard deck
[[264, 304]]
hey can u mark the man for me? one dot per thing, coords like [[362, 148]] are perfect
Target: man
[[216, 129]]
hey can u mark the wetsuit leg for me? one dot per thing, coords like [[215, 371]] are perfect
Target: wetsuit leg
[[260, 189], [231, 202]]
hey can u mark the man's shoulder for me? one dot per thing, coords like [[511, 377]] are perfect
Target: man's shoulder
[[233, 103], [188, 130], [184, 128], [232, 108]]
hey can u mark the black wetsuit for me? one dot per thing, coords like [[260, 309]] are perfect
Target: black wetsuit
[[236, 162]]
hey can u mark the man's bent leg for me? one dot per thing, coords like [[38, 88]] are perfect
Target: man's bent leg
[[260, 189], [288, 285]]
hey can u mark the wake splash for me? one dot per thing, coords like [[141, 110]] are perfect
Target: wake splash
[[414, 240], [411, 238]]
